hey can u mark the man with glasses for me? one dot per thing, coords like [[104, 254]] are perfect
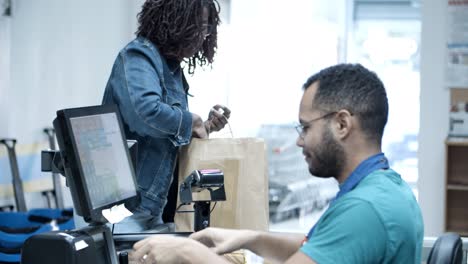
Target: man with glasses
[[374, 217]]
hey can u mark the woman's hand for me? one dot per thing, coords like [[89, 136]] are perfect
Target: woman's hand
[[198, 127], [217, 118]]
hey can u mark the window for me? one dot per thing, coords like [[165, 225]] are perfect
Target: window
[[386, 39], [268, 50]]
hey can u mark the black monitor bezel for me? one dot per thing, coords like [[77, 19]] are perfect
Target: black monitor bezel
[[72, 166]]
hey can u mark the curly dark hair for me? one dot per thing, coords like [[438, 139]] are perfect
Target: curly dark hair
[[355, 88], [176, 26]]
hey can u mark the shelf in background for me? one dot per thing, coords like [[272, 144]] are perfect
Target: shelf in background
[[463, 233], [457, 187], [457, 141]]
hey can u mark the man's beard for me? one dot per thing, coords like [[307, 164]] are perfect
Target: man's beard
[[329, 156]]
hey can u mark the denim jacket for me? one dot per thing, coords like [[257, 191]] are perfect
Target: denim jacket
[[152, 100]]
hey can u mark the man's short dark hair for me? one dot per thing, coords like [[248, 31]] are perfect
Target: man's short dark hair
[[356, 89], [174, 25]]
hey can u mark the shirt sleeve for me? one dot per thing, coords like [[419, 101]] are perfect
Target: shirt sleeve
[[352, 232], [142, 105]]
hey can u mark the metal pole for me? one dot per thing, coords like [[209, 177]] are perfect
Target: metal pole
[[17, 183]]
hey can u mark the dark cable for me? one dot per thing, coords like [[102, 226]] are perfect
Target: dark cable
[[213, 207]]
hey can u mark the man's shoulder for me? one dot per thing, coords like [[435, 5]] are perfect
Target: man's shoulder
[[380, 209], [381, 183], [386, 193], [382, 187]]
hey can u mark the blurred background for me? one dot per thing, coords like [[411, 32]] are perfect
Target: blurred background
[[58, 54]]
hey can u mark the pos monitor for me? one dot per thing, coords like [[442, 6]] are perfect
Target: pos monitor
[[95, 159]]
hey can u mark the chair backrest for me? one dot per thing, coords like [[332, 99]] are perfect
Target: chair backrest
[[447, 249]]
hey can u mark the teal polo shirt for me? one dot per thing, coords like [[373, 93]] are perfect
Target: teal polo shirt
[[379, 221]]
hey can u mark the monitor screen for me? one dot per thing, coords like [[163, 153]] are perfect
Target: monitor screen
[[102, 155], [95, 159]]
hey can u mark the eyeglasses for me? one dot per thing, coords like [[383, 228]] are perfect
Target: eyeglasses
[[302, 128]]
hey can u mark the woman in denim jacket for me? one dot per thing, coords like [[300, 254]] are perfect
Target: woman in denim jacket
[[149, 88]]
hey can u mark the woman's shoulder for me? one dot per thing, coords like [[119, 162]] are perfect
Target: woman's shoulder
[[143, 45]]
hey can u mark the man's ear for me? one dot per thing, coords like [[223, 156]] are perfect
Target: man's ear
[[343, 124]]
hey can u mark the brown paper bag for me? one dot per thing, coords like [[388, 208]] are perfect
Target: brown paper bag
[[244, 163]]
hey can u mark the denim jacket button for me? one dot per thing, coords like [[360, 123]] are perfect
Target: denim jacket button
[[179, 137]]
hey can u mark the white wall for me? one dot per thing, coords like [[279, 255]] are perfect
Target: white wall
[[54, 54], [61, 56], [4, 68], [433, 116]]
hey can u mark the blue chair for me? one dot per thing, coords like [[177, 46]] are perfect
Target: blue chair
[[63, 217], [10, 258], [16, 227]]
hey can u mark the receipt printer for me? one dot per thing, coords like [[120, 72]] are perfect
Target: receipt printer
[[92, 244]]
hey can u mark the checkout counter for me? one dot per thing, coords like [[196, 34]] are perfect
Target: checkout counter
[[95, 159]]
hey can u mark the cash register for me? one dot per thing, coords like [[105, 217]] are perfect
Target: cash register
[[95, 160], [98, 169]]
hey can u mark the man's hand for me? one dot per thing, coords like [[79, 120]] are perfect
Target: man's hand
[[198, 127], [223, 241], [217, 118], [162, 249]]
